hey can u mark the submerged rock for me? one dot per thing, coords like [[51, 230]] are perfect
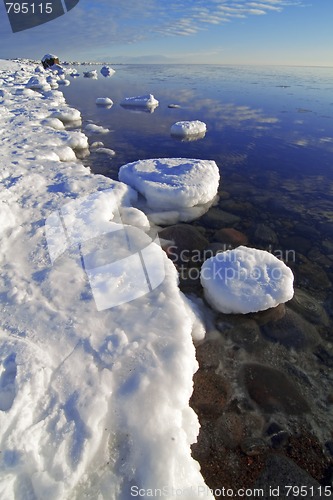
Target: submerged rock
[[183, 243], [309, 307], [272, 390], [292, 331], [217, 218], [231, 236], [280, 472], [265, 234]]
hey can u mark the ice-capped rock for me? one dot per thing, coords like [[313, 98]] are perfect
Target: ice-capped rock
[[107, 71], [246, 280], [96, 129], [104, 101], [188, 128], [138, 101], [172, 183], [63, 81]]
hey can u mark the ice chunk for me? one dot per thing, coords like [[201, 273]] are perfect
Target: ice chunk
[[143, 100], [67, 115], [54, 123], [38, 83], [76, 140], [246, 280], [186, 128], [172, 183], [96, 129], [104, 101], [106, 151]]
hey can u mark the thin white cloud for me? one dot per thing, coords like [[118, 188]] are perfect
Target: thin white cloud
[[95, 24]]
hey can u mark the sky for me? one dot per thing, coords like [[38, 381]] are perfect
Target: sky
[[290, 32]]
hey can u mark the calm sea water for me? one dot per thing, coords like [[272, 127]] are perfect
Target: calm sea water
[[270, 131]]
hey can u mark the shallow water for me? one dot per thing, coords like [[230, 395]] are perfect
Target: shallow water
[[270, 130]]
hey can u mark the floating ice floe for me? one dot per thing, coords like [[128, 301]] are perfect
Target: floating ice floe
[[189, 129], [104, 101], [174, 188], [143, 101], [107, 71], [246, 280]]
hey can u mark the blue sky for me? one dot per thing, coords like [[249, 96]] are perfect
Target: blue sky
[[296, 32]]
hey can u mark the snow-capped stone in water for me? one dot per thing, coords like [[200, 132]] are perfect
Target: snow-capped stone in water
[[104, 101], [246, 280], [144, 100], [107, 71], [96, 129], [185, 128], [172, 183], [106, 151], [64, 82]]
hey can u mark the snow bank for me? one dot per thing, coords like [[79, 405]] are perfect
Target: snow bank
[[246, 280], [92, 402], [38, 83], [186, 128]]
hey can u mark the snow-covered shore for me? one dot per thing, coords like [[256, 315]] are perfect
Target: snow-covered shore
[[93, 403]]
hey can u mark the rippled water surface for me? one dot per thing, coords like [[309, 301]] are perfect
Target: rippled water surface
[[270, 130]]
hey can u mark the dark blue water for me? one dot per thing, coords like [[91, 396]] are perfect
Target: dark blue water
[[262, 119], [269, 129]]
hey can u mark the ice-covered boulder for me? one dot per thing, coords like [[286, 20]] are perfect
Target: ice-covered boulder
[[104, 101], [246, 280], [172, 183], [50, 60], [188, 128], [148, 101], [92, 128]]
